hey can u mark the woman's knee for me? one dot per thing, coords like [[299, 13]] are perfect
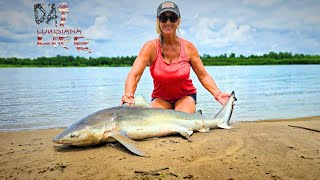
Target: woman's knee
[[186, 104], [161, 103]]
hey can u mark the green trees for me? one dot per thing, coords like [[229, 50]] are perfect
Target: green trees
[[65, 61], [223, 59], [265, 59]]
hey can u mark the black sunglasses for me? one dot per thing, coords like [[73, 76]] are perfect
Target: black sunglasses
[[173, 18]]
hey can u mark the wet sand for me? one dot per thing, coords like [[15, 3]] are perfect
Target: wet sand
[[251, 150]]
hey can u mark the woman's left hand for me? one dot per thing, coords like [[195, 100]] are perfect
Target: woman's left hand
[[223, 98]]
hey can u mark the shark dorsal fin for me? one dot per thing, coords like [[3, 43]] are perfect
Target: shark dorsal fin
[[199, 112], [140, 101]]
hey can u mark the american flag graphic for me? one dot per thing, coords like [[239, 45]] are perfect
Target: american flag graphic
[[76, 43], [62, 40], [40, 43], [63, 9], [54, 39]]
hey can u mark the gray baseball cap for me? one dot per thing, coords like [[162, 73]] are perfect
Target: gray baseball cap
[[168, 6]]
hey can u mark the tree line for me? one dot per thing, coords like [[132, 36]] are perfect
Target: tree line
[[224, 59], [271, 58], [62, 61]]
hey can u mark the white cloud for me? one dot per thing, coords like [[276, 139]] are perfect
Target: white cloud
[[100, 30], [294, 15], [139, 20], [261, 2], [16, 21], [216, 33], [313, 20], [120, 28]]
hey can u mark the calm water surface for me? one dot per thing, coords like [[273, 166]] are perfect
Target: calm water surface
[[41, 98]]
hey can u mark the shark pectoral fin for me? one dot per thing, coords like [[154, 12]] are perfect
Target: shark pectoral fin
[[204, 130], [130, 144], [185, 133], [224, 126]]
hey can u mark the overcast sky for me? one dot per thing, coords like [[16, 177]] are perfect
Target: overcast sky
[[121, 27]]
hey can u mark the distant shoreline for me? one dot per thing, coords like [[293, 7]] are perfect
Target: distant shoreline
[[272, 58], [18, 66]]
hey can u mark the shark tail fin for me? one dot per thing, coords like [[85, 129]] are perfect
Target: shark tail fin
[[224, 115]]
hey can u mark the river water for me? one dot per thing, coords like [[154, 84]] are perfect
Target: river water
[[42, 98]]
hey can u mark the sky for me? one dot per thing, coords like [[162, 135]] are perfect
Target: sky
[[121, 27]]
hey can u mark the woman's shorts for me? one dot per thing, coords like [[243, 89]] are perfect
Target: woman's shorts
[[194, 97]]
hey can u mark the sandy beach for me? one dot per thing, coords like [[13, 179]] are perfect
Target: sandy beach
[[251, 150]]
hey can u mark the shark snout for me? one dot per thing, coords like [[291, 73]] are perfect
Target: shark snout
[[57, 139], [60, 139]]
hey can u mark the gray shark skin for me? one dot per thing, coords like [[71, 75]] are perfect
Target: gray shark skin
[[126, 124]]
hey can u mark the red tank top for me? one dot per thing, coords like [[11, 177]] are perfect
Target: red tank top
[[171, 81]]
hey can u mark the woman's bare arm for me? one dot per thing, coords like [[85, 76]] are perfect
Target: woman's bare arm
[[203, 76], [144, 59]]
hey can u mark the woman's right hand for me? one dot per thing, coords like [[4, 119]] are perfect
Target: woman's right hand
[[127, 99]]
